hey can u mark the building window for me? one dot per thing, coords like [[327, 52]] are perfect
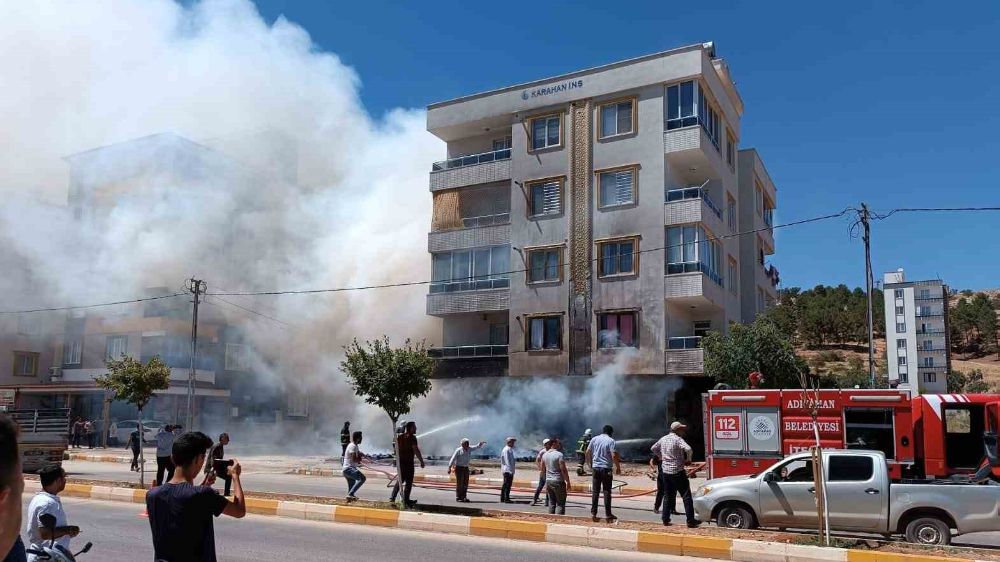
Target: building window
[[900, 310], [616, 330], [730, 149], [702, 328], [901, 360], [925, 293], [617, 187], [689, 249], [681, 110], [498, 334], [760, 300], [116, 347], [617, 118], [898, 293], [900, 327], [900, 344], [25, 364], [731, 212], [470, 270], [237, 357], [501, 144], [617, 257], [546, 198], [709, 118], [544, 332], [928, 345], [734, 277], [928, 361], [72, 350], [758, 199], [29, 324], [297, 404], [930, 377], [546, 132], [544, 265]]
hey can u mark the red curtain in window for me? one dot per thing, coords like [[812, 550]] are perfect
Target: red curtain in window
[[625, 330]]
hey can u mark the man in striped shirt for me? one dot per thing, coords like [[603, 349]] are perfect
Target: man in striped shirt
[[674, 453]]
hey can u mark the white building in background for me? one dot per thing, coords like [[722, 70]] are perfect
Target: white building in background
[[918, 349]]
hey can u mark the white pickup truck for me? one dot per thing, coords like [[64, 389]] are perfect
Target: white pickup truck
[[861, 498]]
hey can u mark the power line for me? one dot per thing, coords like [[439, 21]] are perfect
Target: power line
[[84, 306], [879, 216], [251, 311]]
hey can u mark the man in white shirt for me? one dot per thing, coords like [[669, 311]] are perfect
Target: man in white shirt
[[352, 463], [507, 465], [459, 464], [53, 480], [546, 445]]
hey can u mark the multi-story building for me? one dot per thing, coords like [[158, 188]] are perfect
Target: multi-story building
[[587, 214], [918, 346]]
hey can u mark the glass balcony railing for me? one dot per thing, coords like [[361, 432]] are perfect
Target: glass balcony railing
[[928, 314], [469, 285], [693, 267], [467, 351], [693, 193], [486, 220], [471, 160], [930, 332], [686, 342]]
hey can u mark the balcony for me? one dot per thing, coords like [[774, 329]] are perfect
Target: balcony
[[771, 273], [490, 230], [702, 292], [469, 361], [470, 170], [929, 314], [467, 351], [691, 151], [488, 295], [176, 374], [930, 332], [692, 205], [684, 356]]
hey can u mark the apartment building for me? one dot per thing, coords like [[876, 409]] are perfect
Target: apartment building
[[918, 346], [586, 220]]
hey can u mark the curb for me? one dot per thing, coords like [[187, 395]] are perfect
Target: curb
[[606, 538]]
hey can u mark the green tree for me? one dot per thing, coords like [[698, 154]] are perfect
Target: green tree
[[760, 346], [131, 381], [972, 383], [386, 377]]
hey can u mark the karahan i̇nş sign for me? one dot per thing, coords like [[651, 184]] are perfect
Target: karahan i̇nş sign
[[553, 89]]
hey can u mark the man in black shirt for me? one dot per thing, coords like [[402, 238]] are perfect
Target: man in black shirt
[[180, 513]]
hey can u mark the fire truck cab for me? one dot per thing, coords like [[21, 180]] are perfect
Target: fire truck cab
[[927, 436]]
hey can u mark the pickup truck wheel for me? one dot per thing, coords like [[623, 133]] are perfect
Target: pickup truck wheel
[[735, 517], [928, 531]]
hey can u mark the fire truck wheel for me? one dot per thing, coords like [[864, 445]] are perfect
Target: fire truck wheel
[[928, 530], [735, 517]]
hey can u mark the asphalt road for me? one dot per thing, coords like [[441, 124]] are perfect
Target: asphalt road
[[119, 534]]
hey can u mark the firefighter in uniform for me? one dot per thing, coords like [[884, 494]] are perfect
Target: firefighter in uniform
[[581, 451]]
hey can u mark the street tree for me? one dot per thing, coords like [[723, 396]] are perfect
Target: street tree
[[760, 346], [387, 377], [129, 380], [972, 383]]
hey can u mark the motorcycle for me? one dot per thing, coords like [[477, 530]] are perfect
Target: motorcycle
[[54, 552]]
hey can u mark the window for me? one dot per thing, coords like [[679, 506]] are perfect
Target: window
[[900, 310], [730, 149], [731, 212], [701, 328], [498, 334], [928, 345], [25, 364], [758, 199], [298, 404], [617, 187], [470, 270], [546, 132], [928, 361], [616, 330], [237, 357], [760, 300], [900, 327], [900, 344], [734, 278], [29, 324], [898, 293], [689, 249], [870, 428], [116, 347], [544, 265], [709, 118], [544, 332], [72, 349], [617, 118], [844, 468], [800, 470], [901, 360], [501, 144], [617, 257], [925, 293], [903, 377], [681, 110], [546, 198], [930, 377], [958, 421]]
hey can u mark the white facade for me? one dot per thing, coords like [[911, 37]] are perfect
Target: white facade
[[916, 333]]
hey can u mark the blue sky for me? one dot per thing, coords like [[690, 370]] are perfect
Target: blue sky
[[891, 103]]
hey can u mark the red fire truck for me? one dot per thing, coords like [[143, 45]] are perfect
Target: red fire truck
[[925, 436]]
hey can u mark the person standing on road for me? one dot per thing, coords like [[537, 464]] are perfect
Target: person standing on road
[[180, 513], [656, 463], [407, 448], [675, 454], [134, 443], [164, 445], [345, 438], [602, 455], [76, 431], [216, 464], [11, 489], [546, 445], [508, 463], [113, 434], [46, 502], [581, 452], [556, 477], [88, 432], [352, 466], [459, 464]]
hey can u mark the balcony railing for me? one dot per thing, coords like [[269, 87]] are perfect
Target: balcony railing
[[928, 314], [469, 285], [183, 360], [769, 217], [686, 342], [486, 220], [931, 349], [693, 267], [471, 160], [929, 332], [467, 351], [930, 298], [693, 193]]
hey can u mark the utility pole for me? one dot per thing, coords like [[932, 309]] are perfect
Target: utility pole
[[196, 287], [866, 224]]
